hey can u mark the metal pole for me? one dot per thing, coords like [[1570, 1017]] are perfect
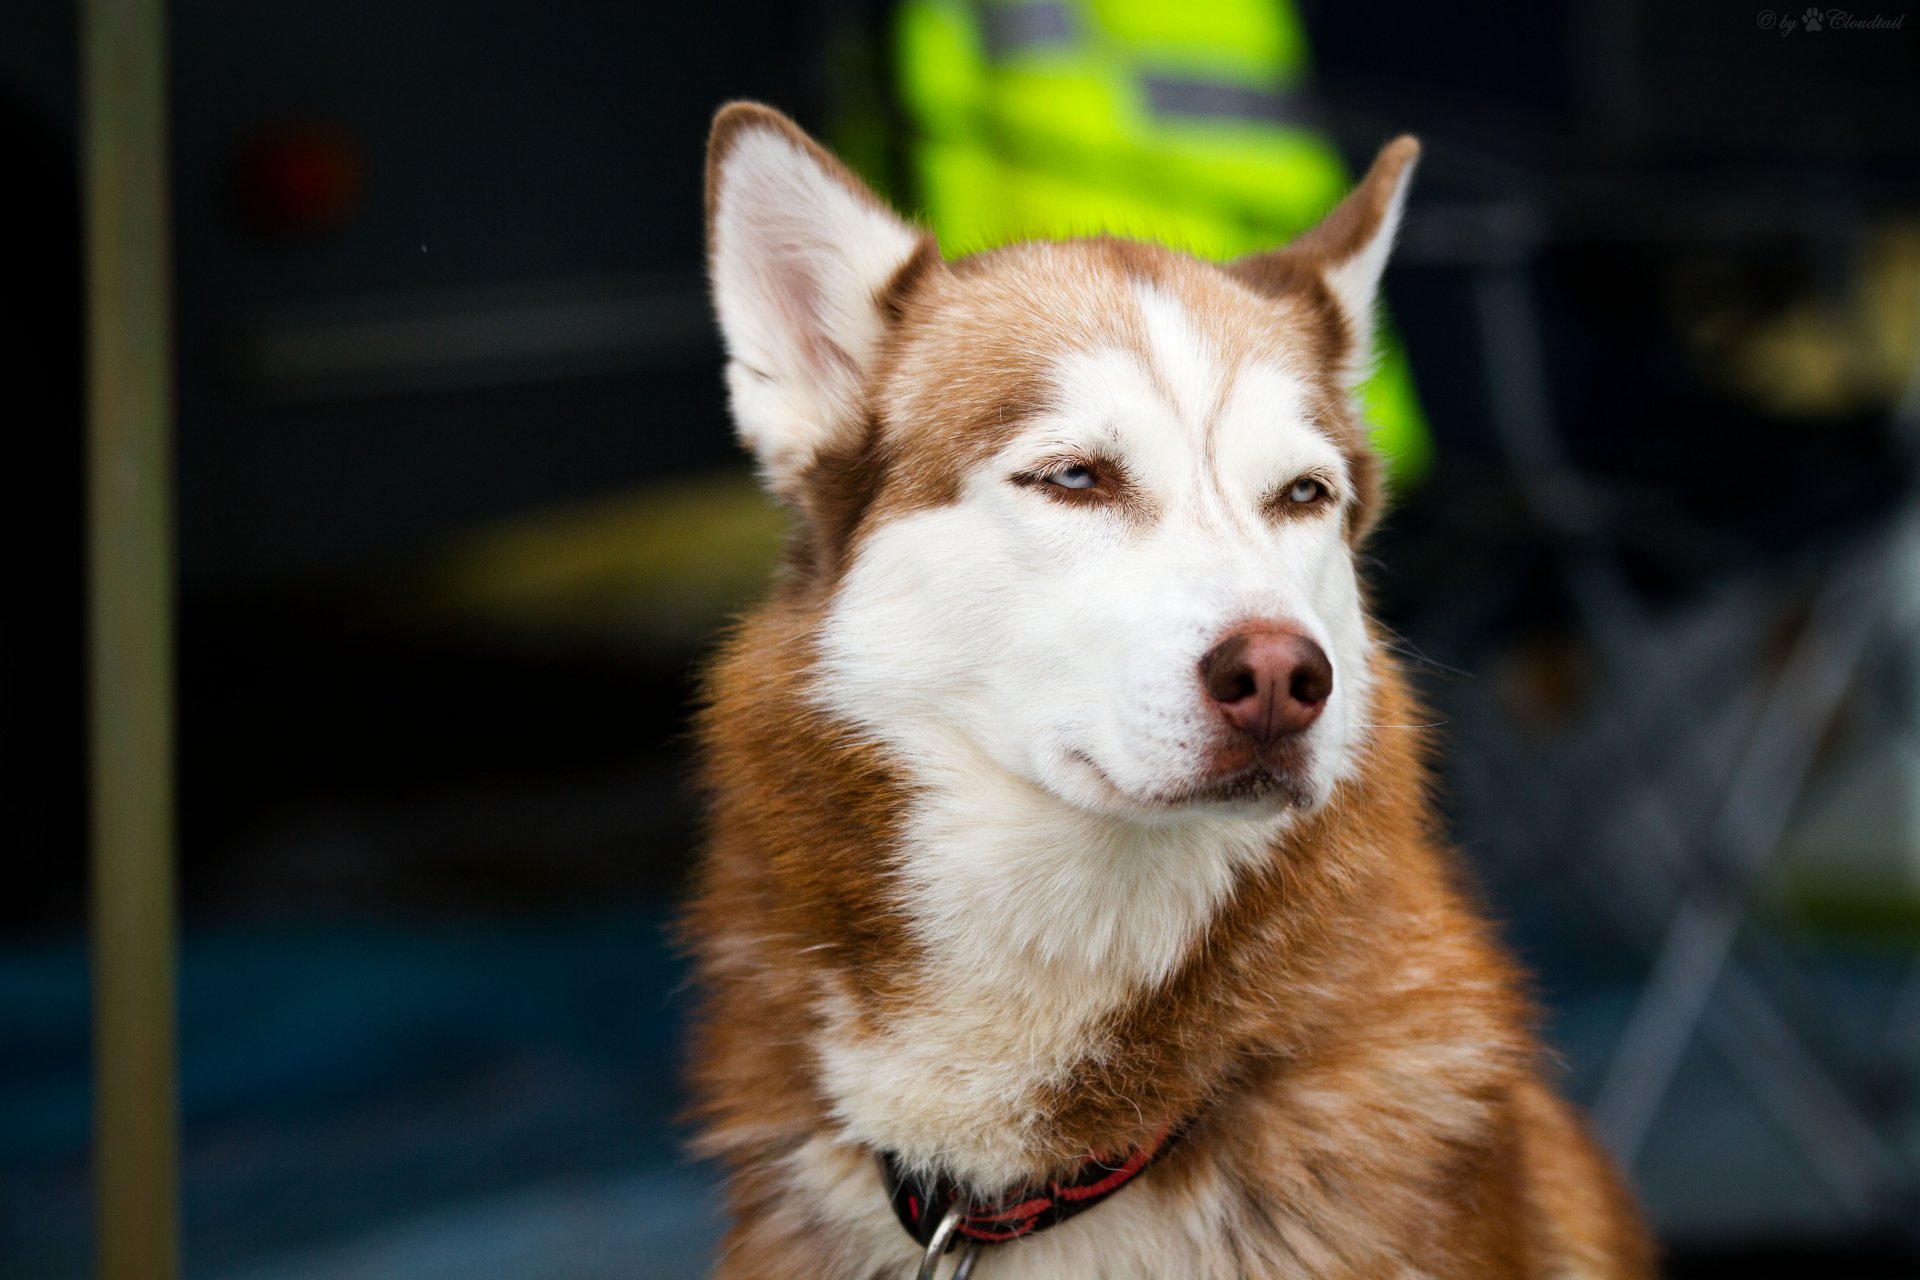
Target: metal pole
[[130, 570]]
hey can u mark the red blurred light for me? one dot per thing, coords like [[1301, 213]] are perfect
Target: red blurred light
[[299, 180]]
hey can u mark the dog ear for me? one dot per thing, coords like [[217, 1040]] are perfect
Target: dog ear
[[1346, 252], [803, 260]]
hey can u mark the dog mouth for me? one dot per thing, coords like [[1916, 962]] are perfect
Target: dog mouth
[[1257, 782]]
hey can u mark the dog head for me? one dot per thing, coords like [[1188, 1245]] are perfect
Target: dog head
[[1085, 513]]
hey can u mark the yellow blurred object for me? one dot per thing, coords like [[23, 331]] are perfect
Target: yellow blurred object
[[1820, 357], [664, 563]]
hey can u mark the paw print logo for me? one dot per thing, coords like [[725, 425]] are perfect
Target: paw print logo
[[1812, 20]]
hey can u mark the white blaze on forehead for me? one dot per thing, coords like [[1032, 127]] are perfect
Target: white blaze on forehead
[[1190, 370], [1192, 423]]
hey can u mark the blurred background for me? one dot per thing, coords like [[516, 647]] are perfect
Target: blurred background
[[458, 510]]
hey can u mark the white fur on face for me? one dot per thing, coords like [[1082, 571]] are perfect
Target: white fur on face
[[1063, 642]]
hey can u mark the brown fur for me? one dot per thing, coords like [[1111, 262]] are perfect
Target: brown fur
[[1348, 1035], [1350, 1042]]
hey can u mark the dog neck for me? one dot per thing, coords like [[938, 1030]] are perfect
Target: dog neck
[[1007, 886], [1051, 980]]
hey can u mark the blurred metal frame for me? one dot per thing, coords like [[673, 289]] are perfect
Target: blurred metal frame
[[130, 607], [1687, 892]]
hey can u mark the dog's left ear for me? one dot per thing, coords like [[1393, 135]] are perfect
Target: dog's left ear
[[1346, 252], [804, 261]]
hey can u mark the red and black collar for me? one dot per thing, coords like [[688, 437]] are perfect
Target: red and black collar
[[921, 1202]]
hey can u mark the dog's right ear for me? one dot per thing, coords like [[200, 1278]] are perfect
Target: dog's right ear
[[804, 262]]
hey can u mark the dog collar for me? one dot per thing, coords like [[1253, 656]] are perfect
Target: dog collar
[[920, 1203]]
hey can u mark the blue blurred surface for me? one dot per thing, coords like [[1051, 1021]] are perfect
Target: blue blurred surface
[[375, 1099], [495, 1096]]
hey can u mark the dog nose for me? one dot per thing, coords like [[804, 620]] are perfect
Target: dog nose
[[1268, 681]]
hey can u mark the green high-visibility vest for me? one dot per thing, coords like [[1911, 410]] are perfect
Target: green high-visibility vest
[[1180, 123]]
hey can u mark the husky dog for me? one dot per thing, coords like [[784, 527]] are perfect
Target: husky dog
[[1073, 889]]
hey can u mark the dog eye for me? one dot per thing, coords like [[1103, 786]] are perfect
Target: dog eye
[[1095, 482], [1306, 489]]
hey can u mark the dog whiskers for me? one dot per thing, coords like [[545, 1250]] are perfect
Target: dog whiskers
[[1395, 643]]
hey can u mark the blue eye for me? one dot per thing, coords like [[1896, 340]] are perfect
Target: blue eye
[[1306, 489], [1074, 478]]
